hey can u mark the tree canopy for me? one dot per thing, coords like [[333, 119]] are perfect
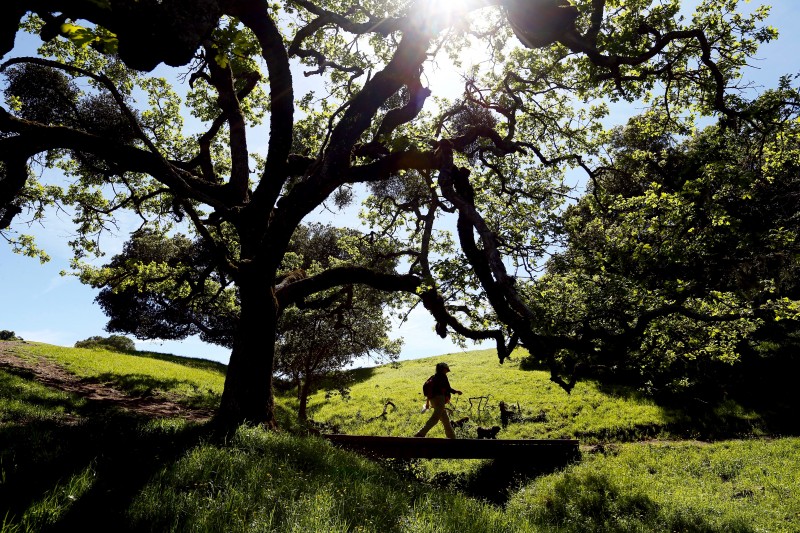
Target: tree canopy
[[683, 249], [464, 195]]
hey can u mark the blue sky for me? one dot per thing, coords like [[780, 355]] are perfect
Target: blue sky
[[39, 304]]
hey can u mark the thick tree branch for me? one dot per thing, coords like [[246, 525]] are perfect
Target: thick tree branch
[[382, 26], [34, 138], [203, 158], [401, 115], [222, 79], [255, 15]]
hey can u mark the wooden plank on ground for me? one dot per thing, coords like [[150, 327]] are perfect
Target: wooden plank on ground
[[540, 451]]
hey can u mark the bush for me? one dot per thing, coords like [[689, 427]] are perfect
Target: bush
[[116, 343], [6, 335]]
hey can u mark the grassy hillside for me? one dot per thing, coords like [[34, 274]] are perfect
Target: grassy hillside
[[191, 381], [592, 412], [65, 465]]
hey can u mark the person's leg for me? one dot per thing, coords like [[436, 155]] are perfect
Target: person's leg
[[438, 408], [448, 428]]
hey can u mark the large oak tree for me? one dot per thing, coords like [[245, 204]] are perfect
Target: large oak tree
[[490, 163]]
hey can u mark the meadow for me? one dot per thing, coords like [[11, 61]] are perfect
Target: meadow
[[65, 464]]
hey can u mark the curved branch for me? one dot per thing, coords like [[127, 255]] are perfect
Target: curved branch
[[34, 138], [222, 80], [401, 115], [255, 15], [203, 159], [586, 45], [382, 26]]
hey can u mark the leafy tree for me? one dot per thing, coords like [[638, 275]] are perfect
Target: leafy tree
[[315, 345], [151, 290], [162, 287], [116, 343], [699, 234], [492, 163], [8, 335]]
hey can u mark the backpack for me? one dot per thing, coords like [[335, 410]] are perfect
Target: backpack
[[427, 387]]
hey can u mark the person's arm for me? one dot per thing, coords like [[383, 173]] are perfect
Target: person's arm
[[450, 389]]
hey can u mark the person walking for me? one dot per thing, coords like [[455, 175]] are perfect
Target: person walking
[[438, 398]]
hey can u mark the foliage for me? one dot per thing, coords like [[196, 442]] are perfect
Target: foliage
[[8, 335], [491, 160], [315, 343], [684, 252], [161, 288], [165, 288], [116, 343]]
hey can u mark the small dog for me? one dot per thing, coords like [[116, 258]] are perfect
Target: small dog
[[507, 415], [460, 422], [488, 433]]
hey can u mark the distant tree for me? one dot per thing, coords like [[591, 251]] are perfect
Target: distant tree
[[115, 343], [315, 345], [163, 287], [8, 335], [538, 101]]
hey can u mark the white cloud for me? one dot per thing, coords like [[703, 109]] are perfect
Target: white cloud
[[57, 282]]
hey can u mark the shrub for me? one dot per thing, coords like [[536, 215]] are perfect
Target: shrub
[[116, 343], [6, 335]]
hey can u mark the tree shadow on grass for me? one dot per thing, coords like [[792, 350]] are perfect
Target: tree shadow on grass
[[591, 502], [48, 438], [497, 479], [759, 409], [27, 398], [191, 362], [360, 375], [120, 452], [128, 460], [143, 385]]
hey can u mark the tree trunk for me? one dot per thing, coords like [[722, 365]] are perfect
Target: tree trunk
[[305, 391], [248, 395]]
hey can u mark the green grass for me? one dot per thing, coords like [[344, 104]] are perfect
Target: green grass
[[734, 486], [592, 413], [26, 401], [64, 466], [193, 382], [264, 481]]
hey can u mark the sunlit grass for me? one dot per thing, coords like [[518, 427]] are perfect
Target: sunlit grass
[[264, 481], [55, 448], [46, 512], [588, 413], [24, 401], [190, 381], [727, 487]]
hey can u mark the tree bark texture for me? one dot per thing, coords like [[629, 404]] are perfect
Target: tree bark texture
[[248, 392]]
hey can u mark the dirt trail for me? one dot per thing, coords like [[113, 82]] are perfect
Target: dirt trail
[[99, 394]]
